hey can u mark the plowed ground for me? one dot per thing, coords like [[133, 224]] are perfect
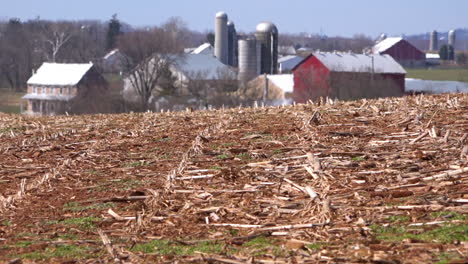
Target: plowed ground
[[377, 181]]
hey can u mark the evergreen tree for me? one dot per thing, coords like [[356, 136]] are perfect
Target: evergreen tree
[[451, 53], [113, 31], [210, 38], [443, 52]]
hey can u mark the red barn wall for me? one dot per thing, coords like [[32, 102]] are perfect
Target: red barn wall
[[406, 54], [311, 80]]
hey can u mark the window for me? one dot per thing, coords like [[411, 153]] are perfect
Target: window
[[35, 89], [61, 90]]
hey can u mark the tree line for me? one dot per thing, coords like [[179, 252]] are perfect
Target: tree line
[[25, 45]]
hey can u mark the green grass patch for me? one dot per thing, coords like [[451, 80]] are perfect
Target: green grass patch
[[6, 223], [23, 244], [173, 248], [222, 157], [263, 245], [25, 234], [10, 109], [398, 218], [125, 184], [449, 215], [85, 223], [165, 156], [244, 156], [460, 75], [10, 101], [359, 158], [216, 168], [448, 257], [76, 207], [68, 237], [59, 251], [445, 234], [315, 246]]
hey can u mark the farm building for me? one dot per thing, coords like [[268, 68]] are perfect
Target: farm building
[[57, 88], [347, 76], [402, 51], [287, 63], [204, 48], [432, 59], [113, 61], [277, 89], [188, 69]]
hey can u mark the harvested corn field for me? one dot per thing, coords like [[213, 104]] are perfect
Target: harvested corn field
[[376, 181]]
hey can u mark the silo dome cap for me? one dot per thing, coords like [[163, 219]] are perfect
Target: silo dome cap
[[230, 23], [267, 27], [221, 15]]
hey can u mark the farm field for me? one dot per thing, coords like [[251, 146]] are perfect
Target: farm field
[[459, 75], [10, 101], [369, 181]]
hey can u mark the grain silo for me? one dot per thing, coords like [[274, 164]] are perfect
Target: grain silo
[[221, 37], [451, 38], [248, 68], [232, 44], [433, 41], [267, 36]]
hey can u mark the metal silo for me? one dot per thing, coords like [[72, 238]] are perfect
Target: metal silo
[[267, 36], [451, 38], [433, 41], [232, 44], [247, 59], [221, 37]]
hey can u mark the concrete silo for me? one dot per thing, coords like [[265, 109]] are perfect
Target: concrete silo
[[267, 36], [434, 41], [221, 37], [248, 67], [451, 38], [232, 44]]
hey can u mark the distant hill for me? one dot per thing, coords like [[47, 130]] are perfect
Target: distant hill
[[421, 41]]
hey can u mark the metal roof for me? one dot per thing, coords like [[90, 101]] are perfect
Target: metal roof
[[351, 62], [111, 53], [289, 62], [60, 74], [385, 44], [205, 64], [284, 81], [204, 48], [432, 56]]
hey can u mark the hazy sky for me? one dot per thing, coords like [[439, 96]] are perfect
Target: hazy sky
[[331, 17]]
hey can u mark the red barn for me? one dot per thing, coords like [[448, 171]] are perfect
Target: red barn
[[347, 76], [402, 51]]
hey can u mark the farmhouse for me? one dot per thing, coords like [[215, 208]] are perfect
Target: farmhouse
[[347, 76], [402, 51], [56, 88]]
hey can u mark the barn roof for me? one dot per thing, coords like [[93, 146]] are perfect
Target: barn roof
[[60, 74], [204, 48], [351, 62], [385, 44], [206, 64]]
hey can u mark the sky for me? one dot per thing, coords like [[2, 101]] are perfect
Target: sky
[[329, 17]]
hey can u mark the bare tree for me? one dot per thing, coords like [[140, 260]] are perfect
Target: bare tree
[[54, 36], [148, 56]]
